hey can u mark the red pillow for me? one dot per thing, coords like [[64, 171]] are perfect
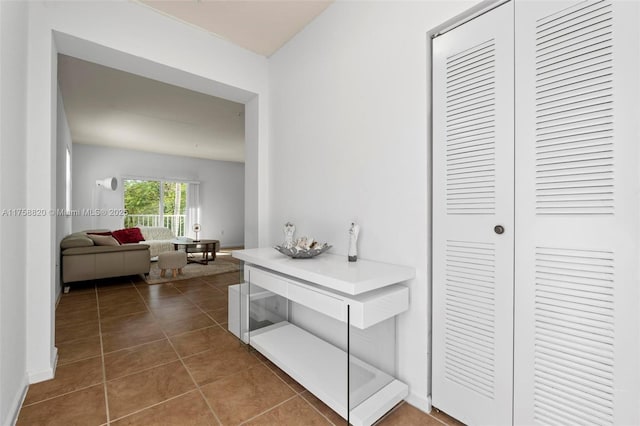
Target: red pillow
[[128, 235]]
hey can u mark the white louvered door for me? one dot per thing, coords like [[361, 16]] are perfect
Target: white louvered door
[[539, 325], [473, 193], [576, 316]]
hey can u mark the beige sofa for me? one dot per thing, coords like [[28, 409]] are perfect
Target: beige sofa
[[82, 260]]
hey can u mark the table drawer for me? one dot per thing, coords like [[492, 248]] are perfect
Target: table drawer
[[266, 280], [328, 305]]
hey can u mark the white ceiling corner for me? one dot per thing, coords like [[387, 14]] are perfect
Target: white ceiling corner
[[262, 26]]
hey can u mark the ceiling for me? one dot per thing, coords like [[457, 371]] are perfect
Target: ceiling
[[262, 26], [108, 107]]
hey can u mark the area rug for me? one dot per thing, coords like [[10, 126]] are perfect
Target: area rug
[[192, 270]]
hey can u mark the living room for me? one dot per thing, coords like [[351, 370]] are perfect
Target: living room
[[133, 129], [121, 125]]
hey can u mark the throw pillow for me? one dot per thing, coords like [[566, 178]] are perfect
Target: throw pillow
[[77, 239], [103, 240], [99, 233], [128, 235]]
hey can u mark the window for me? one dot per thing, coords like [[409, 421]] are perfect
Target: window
[[155, 203], [67, 199]]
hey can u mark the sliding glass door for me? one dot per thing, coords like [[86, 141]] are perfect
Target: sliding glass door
[[155, 203]]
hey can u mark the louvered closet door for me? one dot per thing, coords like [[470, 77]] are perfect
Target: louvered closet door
[[576, 339], [472, 193]]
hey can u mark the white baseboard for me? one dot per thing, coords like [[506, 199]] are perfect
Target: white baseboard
[[16, 404], [41, 376], [54, 360], [49, 373], [420, 402]]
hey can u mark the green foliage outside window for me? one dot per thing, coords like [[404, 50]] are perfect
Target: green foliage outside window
[[142, 197], [175, 197]]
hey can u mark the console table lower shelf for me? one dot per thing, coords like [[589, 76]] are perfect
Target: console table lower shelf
[[322, 369]]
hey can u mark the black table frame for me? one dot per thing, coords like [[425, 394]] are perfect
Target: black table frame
[[204, 246]]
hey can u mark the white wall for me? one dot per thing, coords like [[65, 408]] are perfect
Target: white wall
[[63, 223], [349, 142], [13, 331], [221, 187], [133, 38]]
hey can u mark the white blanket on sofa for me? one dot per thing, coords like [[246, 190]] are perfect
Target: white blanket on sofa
[[158, 238]]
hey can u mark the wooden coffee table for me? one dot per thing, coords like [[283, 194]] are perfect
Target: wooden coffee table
[[201, 246]]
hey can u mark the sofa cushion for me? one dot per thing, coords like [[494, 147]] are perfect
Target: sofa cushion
[[78, 239], [103, 240], [98, 233], [156, 233], [128, 235]]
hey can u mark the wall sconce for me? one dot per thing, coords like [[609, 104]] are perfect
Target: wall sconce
[[107, 183]]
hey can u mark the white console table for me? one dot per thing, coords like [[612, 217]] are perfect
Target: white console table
[[369, 291]]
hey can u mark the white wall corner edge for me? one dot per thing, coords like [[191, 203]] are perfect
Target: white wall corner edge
[[47, 373], [420, 402], [16, 404]]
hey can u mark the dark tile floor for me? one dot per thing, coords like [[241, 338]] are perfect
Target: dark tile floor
[[138, 354]]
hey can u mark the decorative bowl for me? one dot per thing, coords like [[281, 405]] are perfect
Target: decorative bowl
[[299, 253]]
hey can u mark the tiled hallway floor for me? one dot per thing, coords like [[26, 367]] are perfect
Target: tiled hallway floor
[[138, 354]]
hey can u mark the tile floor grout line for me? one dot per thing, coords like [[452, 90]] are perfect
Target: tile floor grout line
[[198, 306], [99, 294], [269, 409], [296, 393], [195, 329], [143, 370], [134, 346], [434, 417], [96, 297], [437, 419], [62, 394], [123, 315], [230, 375], [169, 338], [185, 367], [150, 311], [315, 408], [66, 363], [153, 405], [104, 370], [261, 362], [276, 374], [206, 401]]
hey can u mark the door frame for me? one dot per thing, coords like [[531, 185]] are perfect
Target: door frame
[[46, 42]]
